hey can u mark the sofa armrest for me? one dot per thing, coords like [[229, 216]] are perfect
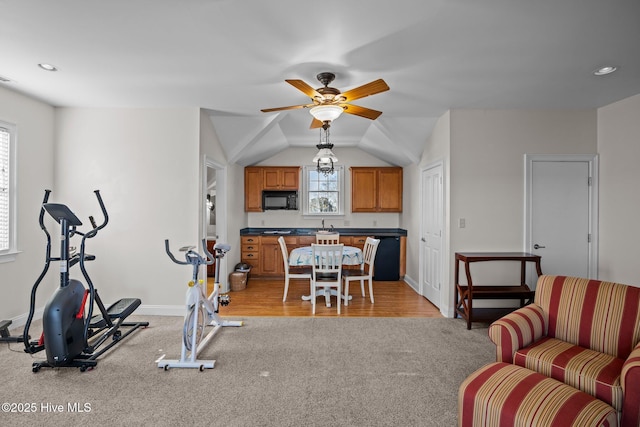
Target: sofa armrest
[[630, 382], [516, 330]]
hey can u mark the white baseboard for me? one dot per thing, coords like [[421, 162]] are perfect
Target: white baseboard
[[161, 310], [412, 283], [21, 320], [445, 311], [144, 310]]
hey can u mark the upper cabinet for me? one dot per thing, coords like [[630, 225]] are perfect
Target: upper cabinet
[[259, 178], [253, 189], [281, 178], [376, 189]]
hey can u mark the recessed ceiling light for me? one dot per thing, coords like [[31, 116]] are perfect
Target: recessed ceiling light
[[47, 67], [603, 71]]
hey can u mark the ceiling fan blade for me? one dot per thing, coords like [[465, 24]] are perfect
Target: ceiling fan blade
[[372, 88], [315, 124], [292, 107], [367, 113], [304, 88]]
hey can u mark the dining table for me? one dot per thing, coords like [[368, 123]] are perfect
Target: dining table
[[303, 256]]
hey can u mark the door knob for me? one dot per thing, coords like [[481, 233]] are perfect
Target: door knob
[[537, 246], [423, 239]]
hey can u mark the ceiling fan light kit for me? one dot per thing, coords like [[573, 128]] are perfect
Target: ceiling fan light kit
[[326, 113]]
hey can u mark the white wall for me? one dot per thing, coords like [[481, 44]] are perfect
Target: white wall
[[35, 127], [146, 162], [230, 199], [619, 149], [348, 156], [487, 177], [436, 150]]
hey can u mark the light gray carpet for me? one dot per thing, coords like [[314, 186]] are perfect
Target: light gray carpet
[[271, 372]]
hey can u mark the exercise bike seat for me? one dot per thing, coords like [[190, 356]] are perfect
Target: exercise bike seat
[[224, 247]]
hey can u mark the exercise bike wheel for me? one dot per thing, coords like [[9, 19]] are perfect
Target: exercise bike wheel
[[187, 331]]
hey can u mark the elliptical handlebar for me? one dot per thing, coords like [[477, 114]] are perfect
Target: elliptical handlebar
[[45, 199], [105, 215]]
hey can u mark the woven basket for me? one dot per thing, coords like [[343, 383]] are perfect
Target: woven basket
[[238, 280]]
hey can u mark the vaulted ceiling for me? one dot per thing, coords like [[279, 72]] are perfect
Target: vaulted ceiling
[[231, 58]]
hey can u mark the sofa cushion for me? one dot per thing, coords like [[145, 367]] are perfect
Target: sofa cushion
[[602, 316], [590, 371], [502, 394]]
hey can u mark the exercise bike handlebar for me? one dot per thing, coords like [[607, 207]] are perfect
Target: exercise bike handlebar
[[173, 258], [191, 256]]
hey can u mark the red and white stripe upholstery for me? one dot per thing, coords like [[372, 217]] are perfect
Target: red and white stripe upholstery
[[582, 332], [506, 395]]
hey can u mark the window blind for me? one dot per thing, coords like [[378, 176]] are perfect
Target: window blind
[[4, 188]]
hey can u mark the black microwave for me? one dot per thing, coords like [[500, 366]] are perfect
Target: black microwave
[[283, 200]]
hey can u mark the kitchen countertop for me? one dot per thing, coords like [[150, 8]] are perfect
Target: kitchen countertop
[[280, 231]]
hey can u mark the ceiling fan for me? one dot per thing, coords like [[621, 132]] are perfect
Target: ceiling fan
[[328, 102]]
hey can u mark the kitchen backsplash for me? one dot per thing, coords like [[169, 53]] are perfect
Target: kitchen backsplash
[[292, 219]]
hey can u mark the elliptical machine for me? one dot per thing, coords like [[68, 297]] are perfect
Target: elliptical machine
[[71, 337]]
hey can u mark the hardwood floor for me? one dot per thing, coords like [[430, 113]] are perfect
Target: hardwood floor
[[263, 297]]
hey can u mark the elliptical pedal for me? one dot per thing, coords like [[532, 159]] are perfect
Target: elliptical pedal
[[123, 307]]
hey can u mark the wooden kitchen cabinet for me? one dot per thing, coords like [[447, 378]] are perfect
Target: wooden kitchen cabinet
[[253, 178], [264, 256], [259, 178], [358, 241], [376, 189], [271, 263], [211, 269], [250, 253], [280, 178]]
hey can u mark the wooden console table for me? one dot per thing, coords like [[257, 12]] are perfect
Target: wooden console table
[[465, 294]]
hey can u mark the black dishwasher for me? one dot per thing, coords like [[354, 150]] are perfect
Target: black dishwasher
[[387, 263]]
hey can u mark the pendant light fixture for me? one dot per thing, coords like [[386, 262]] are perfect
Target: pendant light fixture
[[325, 158]]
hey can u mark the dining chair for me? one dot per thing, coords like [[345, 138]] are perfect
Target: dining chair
[[326, 271], [327, 238], [289, 273], [365, 273]]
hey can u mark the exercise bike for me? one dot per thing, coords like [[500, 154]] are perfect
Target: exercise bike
[[201, 310], [72, 336]]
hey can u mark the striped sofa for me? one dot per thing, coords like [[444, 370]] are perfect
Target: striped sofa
[[584, 333]]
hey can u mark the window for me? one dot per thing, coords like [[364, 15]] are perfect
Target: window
[[323, 193], [7, 192]]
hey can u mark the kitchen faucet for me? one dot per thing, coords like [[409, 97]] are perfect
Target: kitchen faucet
[[322, 223]]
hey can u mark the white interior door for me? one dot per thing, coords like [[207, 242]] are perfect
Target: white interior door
[[213, 213], [431, 234], [562, 210]]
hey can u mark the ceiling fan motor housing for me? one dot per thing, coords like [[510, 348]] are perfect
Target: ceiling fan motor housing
[[326, 78]]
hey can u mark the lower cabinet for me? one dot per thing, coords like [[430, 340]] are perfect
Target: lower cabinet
[[250, 253], [264, 255], [271, 262], [211, 269]]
